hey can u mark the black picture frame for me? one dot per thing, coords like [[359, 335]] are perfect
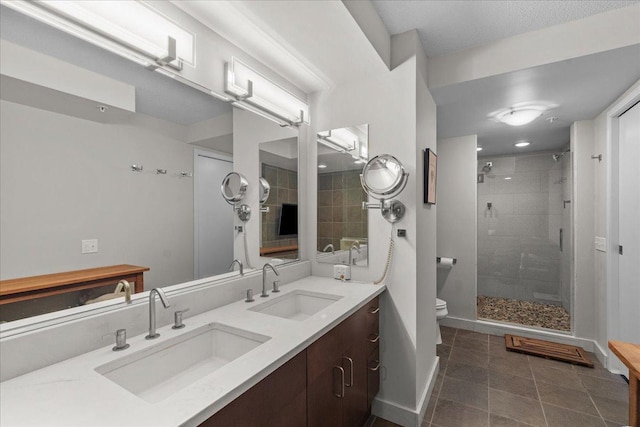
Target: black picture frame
[[430, 176]]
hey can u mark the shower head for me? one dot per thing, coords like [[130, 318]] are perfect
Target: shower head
[[558, 156]]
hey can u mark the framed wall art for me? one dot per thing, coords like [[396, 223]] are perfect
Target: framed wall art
[[430, 176]]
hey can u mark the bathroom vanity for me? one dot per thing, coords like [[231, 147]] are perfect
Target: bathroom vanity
[[308, 355]]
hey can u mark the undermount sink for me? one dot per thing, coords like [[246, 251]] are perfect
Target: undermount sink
[[297, 305], [158, 372]]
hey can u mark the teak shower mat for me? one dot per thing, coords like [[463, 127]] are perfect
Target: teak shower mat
[[549, 350]]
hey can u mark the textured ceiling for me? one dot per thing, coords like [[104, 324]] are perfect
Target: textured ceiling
[[447, 26]]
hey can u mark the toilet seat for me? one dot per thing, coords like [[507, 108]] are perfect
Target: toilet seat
[[440, 304]]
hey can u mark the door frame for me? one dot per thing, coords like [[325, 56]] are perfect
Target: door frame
[[196, 174], [613, 239]]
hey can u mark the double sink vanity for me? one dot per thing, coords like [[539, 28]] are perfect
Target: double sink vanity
[[307, 355]]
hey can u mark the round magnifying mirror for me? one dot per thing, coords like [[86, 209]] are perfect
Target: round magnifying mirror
[[234, 187], [383, 177], [264, 190]]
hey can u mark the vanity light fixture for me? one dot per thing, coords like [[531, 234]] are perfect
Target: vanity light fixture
[[340, 140], [129, 28], [254, 92], [521, 144]]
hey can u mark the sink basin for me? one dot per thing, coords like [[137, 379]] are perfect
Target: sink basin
[[159, 371], [297, 305]]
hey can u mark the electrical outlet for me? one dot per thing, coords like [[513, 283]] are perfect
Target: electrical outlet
[[90, 246]]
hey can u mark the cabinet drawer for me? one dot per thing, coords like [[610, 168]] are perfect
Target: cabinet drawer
[[372, 309]]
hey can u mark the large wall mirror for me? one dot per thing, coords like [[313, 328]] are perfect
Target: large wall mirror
[[126, 158], [342, 223]]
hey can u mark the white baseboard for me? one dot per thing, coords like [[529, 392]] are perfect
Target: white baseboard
[[402, 415], [492, 328]]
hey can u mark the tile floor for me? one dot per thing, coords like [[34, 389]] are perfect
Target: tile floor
[[481, 384]]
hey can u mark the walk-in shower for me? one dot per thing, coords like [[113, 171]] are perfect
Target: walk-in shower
[[524, 239]]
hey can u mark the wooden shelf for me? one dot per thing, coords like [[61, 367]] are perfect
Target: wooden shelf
[[277, 249], [25, 288]]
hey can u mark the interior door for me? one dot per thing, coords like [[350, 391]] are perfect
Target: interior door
[[213, 222], [629, 225]]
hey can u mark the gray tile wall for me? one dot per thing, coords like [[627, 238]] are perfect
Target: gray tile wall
[[340, 214]]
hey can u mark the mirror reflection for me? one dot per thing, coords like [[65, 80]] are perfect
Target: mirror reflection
[[122, 174], [342, 223], [279, 189]]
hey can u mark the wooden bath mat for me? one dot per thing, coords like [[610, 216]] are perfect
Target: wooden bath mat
[[549, 350]]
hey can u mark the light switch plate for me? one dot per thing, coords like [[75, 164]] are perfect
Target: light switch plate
[[601, 244], [90, 246]]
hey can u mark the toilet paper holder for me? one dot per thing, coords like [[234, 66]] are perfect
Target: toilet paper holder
[[455, 260]]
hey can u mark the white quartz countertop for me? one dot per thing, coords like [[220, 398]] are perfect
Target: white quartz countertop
[[72, 393]]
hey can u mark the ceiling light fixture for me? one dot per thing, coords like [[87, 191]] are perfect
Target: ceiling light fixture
[[478, 148], [522, 144], [519, 117], [507, 178], [322, 166]]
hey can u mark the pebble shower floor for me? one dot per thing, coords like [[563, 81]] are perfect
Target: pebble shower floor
[[528, 313]]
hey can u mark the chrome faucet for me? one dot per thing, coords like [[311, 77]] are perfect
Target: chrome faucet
[[127, 290], [236, 261], [264, 278], [355, 245], [330, 246], [152, 311]]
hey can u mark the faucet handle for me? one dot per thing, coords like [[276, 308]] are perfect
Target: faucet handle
[[276, 286], [121, 340], [177, 319]]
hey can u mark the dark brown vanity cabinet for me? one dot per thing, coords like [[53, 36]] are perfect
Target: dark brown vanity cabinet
[[278, 400], [338, 371], [330, 383]]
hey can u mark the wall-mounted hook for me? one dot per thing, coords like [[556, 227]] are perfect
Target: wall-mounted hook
[[599, 157], [136, 168], [161, 171], [186, 174]]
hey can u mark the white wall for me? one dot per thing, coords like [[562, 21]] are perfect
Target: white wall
[[401, 121], [604, 202], [582, 148], [51, 162], [457, 224]]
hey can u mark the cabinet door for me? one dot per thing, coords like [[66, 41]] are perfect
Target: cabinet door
[[278, 400], [325, 376]]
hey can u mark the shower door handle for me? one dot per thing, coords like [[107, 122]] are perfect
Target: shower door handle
[[561, 240]]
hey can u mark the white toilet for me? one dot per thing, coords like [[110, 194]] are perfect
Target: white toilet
[[441, 313]]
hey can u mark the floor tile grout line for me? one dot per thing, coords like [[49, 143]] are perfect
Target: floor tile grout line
[[535, 383]]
